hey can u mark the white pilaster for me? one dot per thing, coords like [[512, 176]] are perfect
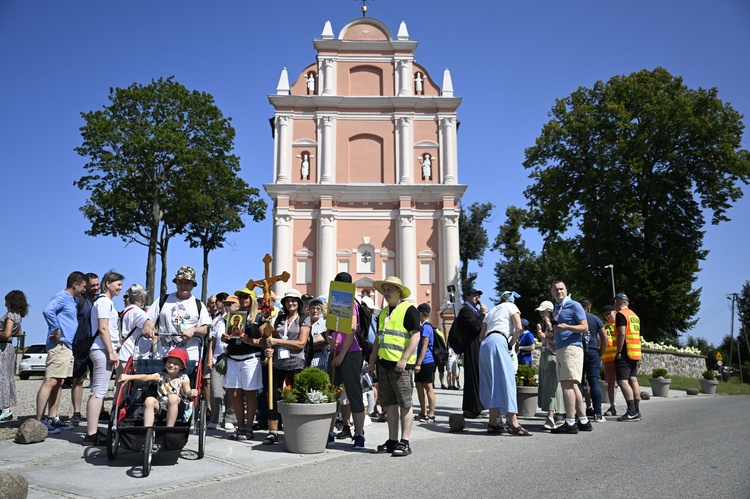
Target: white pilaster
[[284, 148], [407, 250], [403, 67], [449, 165], [282, 248], [327, 69], [450, 251], [326, 253], [405, 150], [328, 148]]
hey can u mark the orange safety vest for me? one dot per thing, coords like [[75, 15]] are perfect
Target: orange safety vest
[[632, 334], [611, 351]]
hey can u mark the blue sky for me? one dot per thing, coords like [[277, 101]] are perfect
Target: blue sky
[[508, 60]]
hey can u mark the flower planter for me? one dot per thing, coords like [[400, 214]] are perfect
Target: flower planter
[[659, 386], [526, 399], [708, 386], [306, 426]]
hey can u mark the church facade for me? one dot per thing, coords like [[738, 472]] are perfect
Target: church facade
[[366, 168]]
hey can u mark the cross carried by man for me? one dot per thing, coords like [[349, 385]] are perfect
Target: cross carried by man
[[265, 284]]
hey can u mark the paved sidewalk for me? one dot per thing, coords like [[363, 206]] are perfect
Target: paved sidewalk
[[61, 466]]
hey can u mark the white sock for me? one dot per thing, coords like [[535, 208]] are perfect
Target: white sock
[[583, 419], [570, 421]]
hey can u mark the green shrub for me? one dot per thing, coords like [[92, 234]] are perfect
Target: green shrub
[[660, 372], [311, 385], [708, 375], [526, 376]]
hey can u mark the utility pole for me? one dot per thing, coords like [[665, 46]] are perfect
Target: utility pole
[[733, 297]]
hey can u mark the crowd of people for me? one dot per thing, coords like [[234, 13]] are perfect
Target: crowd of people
[[376, 363]]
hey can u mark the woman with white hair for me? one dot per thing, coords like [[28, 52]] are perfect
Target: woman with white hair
[[497, 378], [132, 320]]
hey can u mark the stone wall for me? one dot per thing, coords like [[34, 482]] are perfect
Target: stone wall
[[677, 364]]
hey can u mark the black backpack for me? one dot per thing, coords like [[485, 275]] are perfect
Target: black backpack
[[454, 338], [363, 331], [439, 349]]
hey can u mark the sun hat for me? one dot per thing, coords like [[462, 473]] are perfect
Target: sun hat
[[394, 281], [545, 305], [186, 273], [292, 293], [245, 291], [232, 299], [368, 302], [178, 353], [316, 302]]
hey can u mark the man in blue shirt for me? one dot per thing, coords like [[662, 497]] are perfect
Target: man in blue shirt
[[592, 359], [62, 322], [569, 324]]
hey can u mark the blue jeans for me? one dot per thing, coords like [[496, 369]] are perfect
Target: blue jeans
[[592, 363]]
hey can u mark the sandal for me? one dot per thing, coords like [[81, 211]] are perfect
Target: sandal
[[494, 429], [271, 439], [519, 431]]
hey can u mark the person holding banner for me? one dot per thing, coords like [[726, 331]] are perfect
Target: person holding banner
[[287, 345], [394, 356]]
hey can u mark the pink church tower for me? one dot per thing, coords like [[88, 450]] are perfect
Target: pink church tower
[[366, 168]]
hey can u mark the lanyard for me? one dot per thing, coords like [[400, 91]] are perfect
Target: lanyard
[[559, 310], [473, 308]]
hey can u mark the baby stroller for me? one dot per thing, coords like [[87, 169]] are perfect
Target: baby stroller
[[126, 428]]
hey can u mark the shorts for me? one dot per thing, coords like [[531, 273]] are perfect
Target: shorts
[[570, 363], [59, 362], [395, 388], [81, 363], [244, 374], [453, 365], [626, 368], [426, 374]]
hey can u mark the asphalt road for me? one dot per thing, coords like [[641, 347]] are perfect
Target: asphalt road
[[684, 447]]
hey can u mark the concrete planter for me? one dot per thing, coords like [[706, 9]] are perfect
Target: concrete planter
[[659, 386], [708, 386], [526, 399], [604, 387], [306, 426]]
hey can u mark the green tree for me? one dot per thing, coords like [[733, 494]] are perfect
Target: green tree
[[221, 200], [473, 240], [145, 150], [628, 167]]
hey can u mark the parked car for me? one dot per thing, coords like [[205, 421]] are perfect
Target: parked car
[[33, 362]]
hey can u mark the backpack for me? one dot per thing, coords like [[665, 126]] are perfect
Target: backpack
[[363, 331], [454, 338], [83, 342], [439, 349]]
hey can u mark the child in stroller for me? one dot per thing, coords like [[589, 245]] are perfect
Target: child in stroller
[[172, 391]]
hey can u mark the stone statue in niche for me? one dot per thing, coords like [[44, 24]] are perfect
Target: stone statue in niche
[[418, 86], [311, 83], [426, 166], [305, 167]]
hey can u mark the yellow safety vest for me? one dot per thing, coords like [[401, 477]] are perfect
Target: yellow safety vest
[[393, 336], [632, 334], [611, 351]]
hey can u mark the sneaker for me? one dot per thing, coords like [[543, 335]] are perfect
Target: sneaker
[[598, 418], [389, 446], [630, 416], [76, 419], [271, 439], [585, 426], [331, 440], [611, 412], [61, 425], [345, 432], [228, 426], [211, 426], [51, 428], [590, 412], [98, 439], [339, 424], [6, 415], [402, 449], [423, 418], [359, 441], [566, 428], [549, 424]]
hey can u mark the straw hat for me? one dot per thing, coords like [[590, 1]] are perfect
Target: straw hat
[[394, 281]]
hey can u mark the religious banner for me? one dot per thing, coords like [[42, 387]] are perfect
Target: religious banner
[[340, 306], [236, 321]]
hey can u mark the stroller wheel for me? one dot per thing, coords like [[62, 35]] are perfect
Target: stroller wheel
[[148, 451]]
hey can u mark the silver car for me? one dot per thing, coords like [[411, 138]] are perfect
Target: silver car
[[33, 362]]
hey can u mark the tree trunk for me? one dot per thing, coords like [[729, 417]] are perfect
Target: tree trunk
[[153, 241], [163, 245], [204, 277]]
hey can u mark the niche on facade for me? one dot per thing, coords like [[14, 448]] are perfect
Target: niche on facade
[[426, 267], [365, 259], [312, 83], [419, 83], [303, 271], [426, 161], [366, 81]]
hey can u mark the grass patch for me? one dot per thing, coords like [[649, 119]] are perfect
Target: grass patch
[[731, 387]]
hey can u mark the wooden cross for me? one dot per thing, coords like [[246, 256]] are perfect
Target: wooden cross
[[265, 284]]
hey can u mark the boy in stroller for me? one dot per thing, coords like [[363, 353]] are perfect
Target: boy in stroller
[[172, 391]]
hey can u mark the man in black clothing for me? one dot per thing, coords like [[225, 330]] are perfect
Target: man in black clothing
[[470, 323]]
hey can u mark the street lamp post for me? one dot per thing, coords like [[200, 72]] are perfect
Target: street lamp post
[[611, 268]]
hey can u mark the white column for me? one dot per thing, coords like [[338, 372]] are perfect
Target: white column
[[326, 252], [282, 248], [405, 147], [407, 250], [284, 148], [404, 78], [450, 252], [328, 160], [449, 165], [328, 83]]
